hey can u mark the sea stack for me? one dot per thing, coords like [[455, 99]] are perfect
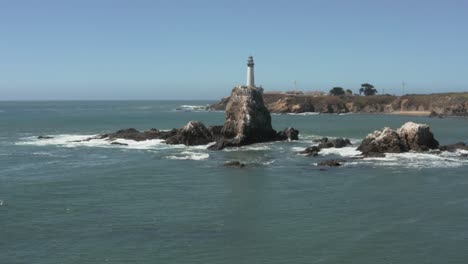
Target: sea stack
[[247, 120]]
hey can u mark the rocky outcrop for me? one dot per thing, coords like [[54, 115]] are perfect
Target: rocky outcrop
[[409, 137], [194, 133], [288, 134], [248, 121], [332, 143], [133, 134], [417, 137]]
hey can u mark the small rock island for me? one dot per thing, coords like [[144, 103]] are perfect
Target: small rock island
[[247, 121]]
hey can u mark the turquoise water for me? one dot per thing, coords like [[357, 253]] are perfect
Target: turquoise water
[[92, 202]]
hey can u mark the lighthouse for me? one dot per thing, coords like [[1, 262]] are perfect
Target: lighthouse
[[250, 72]]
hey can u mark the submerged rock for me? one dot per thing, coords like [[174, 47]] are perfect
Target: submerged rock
[[331, 163], [409, 137], [119, 143], [311, 151], [45, 137], [237, 164]]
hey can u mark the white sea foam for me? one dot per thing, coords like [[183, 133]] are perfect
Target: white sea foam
[[304, 113], [254, 147], [192, 108], [268, 162], [189, 155], [344, 152], [418, 160], [297, 149], [71, 141], [1, 202]]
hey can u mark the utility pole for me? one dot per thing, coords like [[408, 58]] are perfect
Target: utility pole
[[403, 85]]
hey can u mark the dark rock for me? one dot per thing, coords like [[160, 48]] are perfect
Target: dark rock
[[194, 133], [118, 143], [435, 114], [311, 151], [45, 137], [237, 164], [133, 134], [454, 147], [216, 132], [332, 143], [326, 144], [409, 137], [341, 142], [288, 134], [330, 163]]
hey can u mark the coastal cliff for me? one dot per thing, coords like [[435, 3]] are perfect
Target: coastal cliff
[[447, 104]]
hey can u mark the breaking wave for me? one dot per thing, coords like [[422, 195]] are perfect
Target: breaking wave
[[304, 113], [189, 155], [192, 108], [343, 152], [419, 160], [72, 141]]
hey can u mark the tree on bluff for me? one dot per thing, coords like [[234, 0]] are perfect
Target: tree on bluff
[[367, 89], [337, 91]]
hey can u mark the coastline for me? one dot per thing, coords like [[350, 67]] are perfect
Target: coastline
[[435, 105]]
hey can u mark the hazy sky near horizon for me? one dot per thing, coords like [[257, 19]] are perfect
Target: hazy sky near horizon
[[174, 49]]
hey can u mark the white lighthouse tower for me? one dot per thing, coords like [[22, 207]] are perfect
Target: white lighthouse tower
[[250, 72]]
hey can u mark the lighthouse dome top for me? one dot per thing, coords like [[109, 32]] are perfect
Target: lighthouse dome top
[[250, 61]]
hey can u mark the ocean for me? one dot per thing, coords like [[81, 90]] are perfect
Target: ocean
[[92, 202]]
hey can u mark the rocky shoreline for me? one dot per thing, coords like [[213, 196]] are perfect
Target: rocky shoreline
[[435, 105], [248, 121]]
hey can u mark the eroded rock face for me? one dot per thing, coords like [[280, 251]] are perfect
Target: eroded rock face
[[417, 137], [247, 118], [409, 137]]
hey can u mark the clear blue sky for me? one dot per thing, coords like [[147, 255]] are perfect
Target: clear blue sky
[[173, 49]]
